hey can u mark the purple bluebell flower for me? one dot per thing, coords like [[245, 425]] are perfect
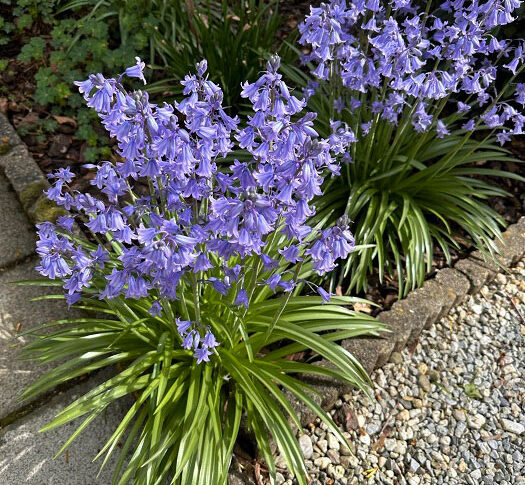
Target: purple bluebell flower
[[202, 354], [520, 93], [441, 129], [469, 125], [325, 295], [198, 229], [290, 253], [462, 107], [274, 281], [66, 222], [183, 326], [155, 309], [188, 341], [136, 70], [513, 65], [268, 262], [242, 298]]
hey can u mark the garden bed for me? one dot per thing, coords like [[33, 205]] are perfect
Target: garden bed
[[57, 141], [68, 139]]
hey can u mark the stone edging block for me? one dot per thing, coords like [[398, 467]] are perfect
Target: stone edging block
[[476, 274], [25, 175]]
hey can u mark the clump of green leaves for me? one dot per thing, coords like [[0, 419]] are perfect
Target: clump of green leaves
[[5, 29], [472, 390], [235, 37], [410, 195], [33, 50], [186, 417], [40, 129]]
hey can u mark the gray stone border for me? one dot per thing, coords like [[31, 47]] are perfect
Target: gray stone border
[[24, 174], [406, 319]]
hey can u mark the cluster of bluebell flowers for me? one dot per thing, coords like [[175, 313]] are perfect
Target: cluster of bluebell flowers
[[166, 214], [394, 60]]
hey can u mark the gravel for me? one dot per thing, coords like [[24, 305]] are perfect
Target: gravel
[[451, 413]]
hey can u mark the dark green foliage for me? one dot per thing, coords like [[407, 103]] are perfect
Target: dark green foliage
[[76, 48], [22, 14], [33, 50], [234, 36], [5, 29]]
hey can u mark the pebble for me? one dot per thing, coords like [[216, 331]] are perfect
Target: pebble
[[305, 442], [390, 444], [322, 445], [333, 442], [339, 472], [438, 434], [403, 415], [322, 462], [414, 466], [373, 428], [365, 439], [424, 382], [477, 309], [396, 358], [476, 474], [459, 414], [477, 421], [512, 426]]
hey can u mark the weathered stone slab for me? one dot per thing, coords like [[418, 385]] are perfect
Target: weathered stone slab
[[8, 135], [26, 456], [455, 282], [20, 168], [398, 324], [327, 390], [513, 246], [19, 314], [422, 313], [476, 274], [442, 297], [384, 347], [25, 176], [364, 350], [17, 238]]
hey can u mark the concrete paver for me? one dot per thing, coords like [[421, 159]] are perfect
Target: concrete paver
[[27, 456], [19, 314]]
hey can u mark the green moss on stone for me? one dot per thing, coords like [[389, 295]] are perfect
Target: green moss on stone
[[45, 210], [4, 148], [32, 192]]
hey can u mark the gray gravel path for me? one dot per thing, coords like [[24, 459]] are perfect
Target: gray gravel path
[[451, 412]]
